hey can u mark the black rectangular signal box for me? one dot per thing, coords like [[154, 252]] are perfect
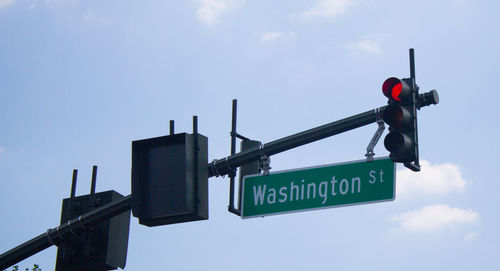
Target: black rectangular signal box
[[102, 247], [170, 179]]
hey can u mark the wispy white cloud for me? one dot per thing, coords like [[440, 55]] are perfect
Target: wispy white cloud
[[434, 218], [465, 5], [366, 46], [272, 36], [77, 14], [210, 10], [438, 179], [470, 236], [327, 8], [6, 3], [57, 2], [90, 16], [34, 4], [3, 151]]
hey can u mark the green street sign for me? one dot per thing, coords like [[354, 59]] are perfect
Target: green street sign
[[344, 184]]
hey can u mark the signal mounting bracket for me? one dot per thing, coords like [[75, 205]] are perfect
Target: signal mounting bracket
[[265, 161], [380, 130]]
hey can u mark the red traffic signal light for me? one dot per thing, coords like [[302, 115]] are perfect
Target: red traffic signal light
[[396, 90]]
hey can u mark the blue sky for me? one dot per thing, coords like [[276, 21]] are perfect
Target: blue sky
[[80, 80]]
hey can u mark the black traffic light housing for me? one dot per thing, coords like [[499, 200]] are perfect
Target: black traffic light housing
[[401, 116], [170, 178], [103, 247]]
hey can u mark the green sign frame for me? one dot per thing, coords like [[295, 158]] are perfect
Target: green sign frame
[[320, 187]]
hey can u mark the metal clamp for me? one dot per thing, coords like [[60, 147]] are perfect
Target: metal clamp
[[49, 238], [214, 168], [70, 229], [265, 161], [381, 127], [81, 223], [59, 234], [228, 166]]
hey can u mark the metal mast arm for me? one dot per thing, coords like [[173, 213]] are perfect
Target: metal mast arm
[[225, 165]]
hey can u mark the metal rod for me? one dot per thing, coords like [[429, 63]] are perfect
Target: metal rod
[[412, 65], [196, 150], [94, 180], [195, 125], [73, 183], [172, 128], [242, 137], [415, 166], [53, 236], [233, 126], [73, 192], [232, 174]]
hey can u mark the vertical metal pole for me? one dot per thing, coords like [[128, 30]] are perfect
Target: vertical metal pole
[[233, 127], [232, 174], [195, 164], [415, 166], [172, 127]]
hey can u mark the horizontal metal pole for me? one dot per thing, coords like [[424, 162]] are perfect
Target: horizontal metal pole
[[63, 231], [226, 165]]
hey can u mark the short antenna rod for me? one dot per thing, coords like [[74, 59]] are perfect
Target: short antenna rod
[[73, 183], [172, 127], [94, 178], [412, 65]]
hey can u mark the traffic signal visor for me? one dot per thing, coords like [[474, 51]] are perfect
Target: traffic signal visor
[[397, 116], [397, 142]]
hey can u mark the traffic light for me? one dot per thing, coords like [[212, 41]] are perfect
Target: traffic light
[[170, 178], [102, 247], [401, 116]]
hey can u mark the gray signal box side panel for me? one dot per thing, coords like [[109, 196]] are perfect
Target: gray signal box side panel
[[170, 179]]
